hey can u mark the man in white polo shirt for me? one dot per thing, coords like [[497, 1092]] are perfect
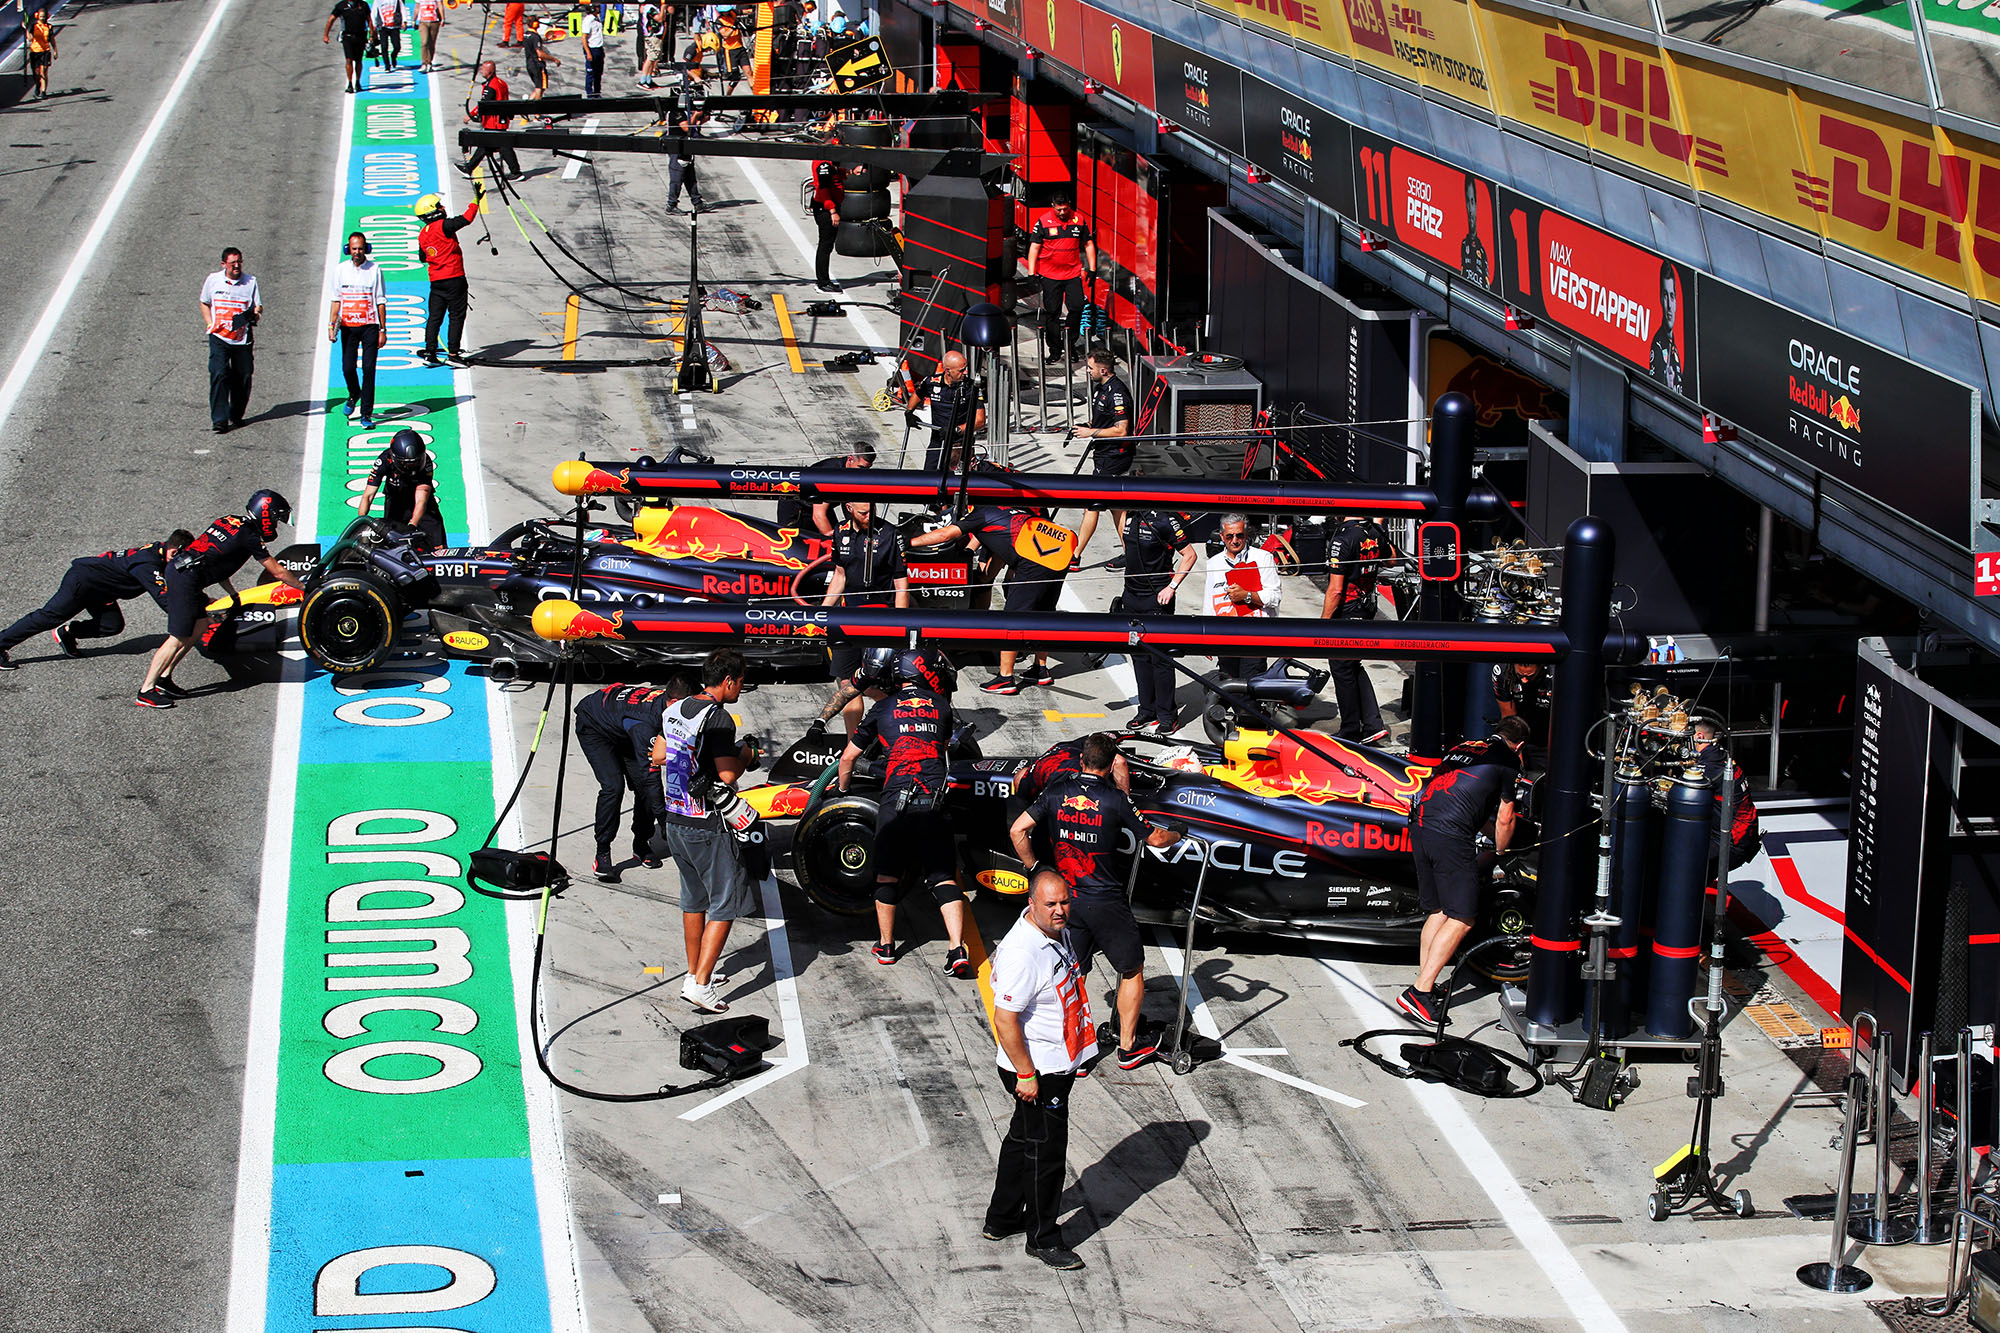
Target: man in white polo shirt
[[230, 308], [359, 318], [1041, 1019], [1242, 581]]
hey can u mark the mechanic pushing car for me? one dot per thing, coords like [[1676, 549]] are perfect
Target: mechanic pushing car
[[621, 733], [912, 836], [407, 474], [85, 604], [1083, 818], [1472, 785], [213, 557], [867, 571]]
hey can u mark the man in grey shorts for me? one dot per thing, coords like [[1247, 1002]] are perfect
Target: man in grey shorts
[[703, 758]]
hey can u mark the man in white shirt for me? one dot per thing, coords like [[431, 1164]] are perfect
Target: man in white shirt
[[359, 318], [593, 51], [389, 18], [1242, 581], [1041, 1019], [230, 308], [430, 13]]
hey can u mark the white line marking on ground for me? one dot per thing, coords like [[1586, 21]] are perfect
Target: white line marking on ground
[[1204, 1023], [670, 1198], [786, 984], [807, 249], [86, 251], [1487, 1167], [576, 161]]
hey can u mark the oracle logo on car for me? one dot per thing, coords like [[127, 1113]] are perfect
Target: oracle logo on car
[[747, 585], [1358, 837], [952, 574]]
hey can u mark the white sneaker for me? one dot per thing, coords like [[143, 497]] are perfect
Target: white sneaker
[[707, 998]]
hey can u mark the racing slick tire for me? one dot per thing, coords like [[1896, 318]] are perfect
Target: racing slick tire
[[833, 855], [348, 622]]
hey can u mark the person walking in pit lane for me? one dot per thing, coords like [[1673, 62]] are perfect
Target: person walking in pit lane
[[445, 260], [231, 305], [389, 19], [41, 42], [1081, 820], [429, 15], [536, 60], [593, 51], [359, 319], [492, 88], [1160, 552], [356, 20], [213, 557], [698, 767], [913, 841], [1240, 580], [407, 474], [621, 733], [85, 605], [1042, 1028], [1472, 785]]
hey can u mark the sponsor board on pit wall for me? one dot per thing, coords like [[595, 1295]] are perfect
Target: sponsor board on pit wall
[[1441, 214], [1303, 145], [1886, 427], [1620, 297], [1199, 92]]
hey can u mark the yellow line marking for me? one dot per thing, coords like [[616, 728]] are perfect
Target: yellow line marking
[[1053, 716], [548, 314], [975, 949], [785, 328], [656, 971], [569, 328]]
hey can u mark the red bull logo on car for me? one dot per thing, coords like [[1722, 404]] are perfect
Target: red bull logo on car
[[696, 532], [576, 477], [1264, 763], [566, 622]]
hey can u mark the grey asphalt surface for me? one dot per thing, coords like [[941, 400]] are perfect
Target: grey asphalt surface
[[132, 838]]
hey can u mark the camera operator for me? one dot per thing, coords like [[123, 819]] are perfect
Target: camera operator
[[1473, 784], [1082, 819], [912, 838], [701, 817]]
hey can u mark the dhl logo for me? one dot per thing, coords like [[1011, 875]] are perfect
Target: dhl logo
[[1403, 18], [696, 532], [1927, 193], [1613, 88]]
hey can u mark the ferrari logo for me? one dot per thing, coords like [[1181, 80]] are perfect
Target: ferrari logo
[[1117, 54], [1052, 22]]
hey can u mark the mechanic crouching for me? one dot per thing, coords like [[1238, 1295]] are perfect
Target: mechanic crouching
[[1472, 785], [406, 475], [912, 837], [1082, 818], [619, 729]]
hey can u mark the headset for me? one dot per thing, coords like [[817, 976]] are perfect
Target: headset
[[367, 246]]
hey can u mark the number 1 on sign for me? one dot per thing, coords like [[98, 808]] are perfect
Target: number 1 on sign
[[1986, 574]]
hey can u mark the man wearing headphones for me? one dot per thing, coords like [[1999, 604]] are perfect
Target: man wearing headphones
[[230, 307], [442, 255], [359, 318], [213, 557], [408, 473]]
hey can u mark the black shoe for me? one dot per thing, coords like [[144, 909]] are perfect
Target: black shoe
[[153, 698], [1423, 1005], [1006, 1232], [430, 359], [1040, 675], [605, 869], [65, 637], [165, 685], [220, 428], [1056, 1256], [457, 358], [1002, 685], [1144, 1046], [828, 286], [7, 663], [885, 954], [958, 964], [646, 857], [1115, 562]]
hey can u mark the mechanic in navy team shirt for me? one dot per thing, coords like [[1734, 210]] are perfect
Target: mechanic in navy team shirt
[[1030, 587], [867, 571], [1083, 820], [1110, 419], [954, 398], [91, 588], [1472, 786], [1064, 759], [1525, 690], [818, 515], [222, 548], [912, 834], [406, 474], [1160, 552], [1360, 549], [621, 735]]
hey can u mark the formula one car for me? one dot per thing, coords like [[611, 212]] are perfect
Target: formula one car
[[1303, 835], [477, 602]]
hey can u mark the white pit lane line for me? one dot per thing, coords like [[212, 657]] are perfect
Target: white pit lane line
[[785, 983], [575, 164], [1485, 1165]]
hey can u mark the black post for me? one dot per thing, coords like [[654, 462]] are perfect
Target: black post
[[1569, 839], [1451, 478]]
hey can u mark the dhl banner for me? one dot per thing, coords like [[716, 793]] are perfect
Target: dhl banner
[[1434, 42], [1443, 214], [1315, 23]]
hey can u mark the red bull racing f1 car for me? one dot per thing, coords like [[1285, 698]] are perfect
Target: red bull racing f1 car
[[477, 602], [1303, 835]]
